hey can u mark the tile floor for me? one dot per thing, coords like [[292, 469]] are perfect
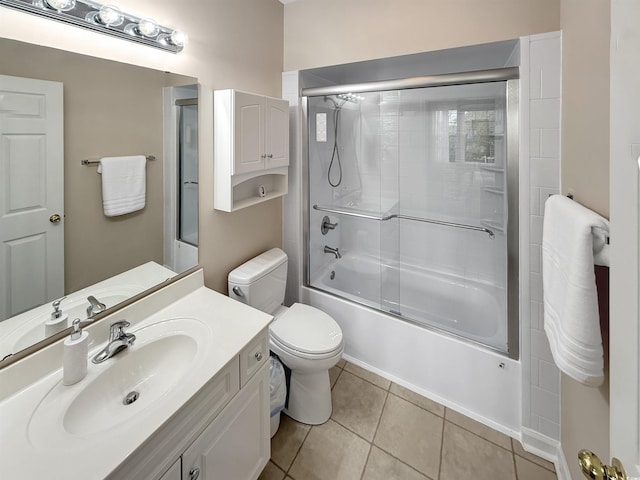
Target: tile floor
[[382, 431]]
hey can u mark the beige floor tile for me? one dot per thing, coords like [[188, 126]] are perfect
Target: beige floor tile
[[368, 376], [341, 363], [357, 405], [271, 472], [466, 455], [330, 452], [334, 373], [411, 434], [530, 471], [286, 443], [478, 428], [518, 449], [417, 399], [382, 466]]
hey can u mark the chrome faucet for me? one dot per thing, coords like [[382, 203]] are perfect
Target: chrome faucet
[[334, 251], [118, 341], [95, 308]]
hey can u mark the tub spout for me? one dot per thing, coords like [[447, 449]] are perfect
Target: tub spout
[[334, 251]]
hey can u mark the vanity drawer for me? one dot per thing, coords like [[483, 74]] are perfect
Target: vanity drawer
[[253, 356]]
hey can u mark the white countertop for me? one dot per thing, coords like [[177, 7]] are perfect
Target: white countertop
[[24, 453]]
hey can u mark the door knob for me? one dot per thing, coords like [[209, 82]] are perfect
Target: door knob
[[55, 218], [593, 468]]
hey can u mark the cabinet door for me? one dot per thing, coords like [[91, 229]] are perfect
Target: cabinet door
[[277, 133], [174, 473], [236, 446], [249, 112]]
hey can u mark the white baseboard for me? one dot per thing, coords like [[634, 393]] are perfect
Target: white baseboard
[[547, 448], [562, 467]]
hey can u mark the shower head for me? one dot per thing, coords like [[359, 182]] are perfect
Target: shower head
[[350, 97]]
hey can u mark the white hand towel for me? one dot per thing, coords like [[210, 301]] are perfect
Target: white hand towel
[[123, 184], [571, 235]]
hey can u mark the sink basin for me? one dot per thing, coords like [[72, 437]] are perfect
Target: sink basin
[[127, 388]]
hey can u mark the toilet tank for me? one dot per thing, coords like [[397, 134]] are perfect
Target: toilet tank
[[261, 281]]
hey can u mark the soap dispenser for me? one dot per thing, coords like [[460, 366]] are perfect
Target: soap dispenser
[[75, 355], [58, 320]]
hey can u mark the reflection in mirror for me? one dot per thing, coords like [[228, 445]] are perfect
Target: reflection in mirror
[[56, 109]]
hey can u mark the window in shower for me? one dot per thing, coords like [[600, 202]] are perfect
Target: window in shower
[[421, 206], [472, 129]]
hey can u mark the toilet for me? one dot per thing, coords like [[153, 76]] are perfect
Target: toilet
[[307, 341]]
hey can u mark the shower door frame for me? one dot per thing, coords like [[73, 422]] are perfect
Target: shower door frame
[[512, 95]]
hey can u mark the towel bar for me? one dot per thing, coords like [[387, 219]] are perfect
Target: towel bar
[[607, 239], [96, 162]]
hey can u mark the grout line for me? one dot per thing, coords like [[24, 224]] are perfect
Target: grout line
[[419, 406], [384, 406], [366, 462], [444, 421], [513, 459], [299, 448], [510, 450], [387, 452], [369, 381]]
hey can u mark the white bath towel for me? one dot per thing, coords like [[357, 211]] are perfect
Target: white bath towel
[[123, 184], [571, 236]]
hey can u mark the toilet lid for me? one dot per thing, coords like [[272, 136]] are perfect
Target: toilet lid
[[307, 329]]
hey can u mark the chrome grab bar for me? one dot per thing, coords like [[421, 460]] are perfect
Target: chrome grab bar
[[383, 218]]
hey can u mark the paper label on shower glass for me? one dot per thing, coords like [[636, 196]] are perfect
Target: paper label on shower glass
[[321, 127]]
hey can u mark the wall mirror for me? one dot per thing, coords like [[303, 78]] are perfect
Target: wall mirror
[[107, 109]]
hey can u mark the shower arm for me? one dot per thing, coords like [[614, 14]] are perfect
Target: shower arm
[[384, 218]]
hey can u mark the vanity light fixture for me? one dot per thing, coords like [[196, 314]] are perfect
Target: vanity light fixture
[[107, 19]]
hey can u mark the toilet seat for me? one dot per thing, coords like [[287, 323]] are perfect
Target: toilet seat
[[306, 332]]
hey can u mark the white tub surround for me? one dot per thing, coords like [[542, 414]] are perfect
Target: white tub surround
[[219, 383]]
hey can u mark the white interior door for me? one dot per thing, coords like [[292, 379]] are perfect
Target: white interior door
[[31, 194], [625, 221]]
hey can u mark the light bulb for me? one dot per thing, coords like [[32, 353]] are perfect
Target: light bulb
[[178, 38], [61, 5], [148, 27], [110, 15]]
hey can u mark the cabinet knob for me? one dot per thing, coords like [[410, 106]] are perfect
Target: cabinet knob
[[263, 156], [258, 356], [194, 473], [270, 155]]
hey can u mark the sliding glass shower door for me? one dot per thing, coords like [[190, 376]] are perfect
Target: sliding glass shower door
[[408, 204]]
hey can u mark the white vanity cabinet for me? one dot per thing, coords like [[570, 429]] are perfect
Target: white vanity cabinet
[[235, 446], [175, 472], [222, 433], [251, 135]]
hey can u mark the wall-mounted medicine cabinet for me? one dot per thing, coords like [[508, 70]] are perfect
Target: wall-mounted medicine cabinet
[[251, 134]]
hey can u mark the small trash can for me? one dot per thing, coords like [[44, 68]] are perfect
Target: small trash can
[[278, 392]]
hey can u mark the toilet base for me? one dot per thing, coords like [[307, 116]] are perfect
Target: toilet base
[[310, 397]]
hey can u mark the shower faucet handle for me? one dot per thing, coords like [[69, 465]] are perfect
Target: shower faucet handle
[[327, 225]]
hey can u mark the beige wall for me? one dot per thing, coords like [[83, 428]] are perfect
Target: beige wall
[[110, 109], [232, 44], [585, 173], [585, 102], [329, 32]]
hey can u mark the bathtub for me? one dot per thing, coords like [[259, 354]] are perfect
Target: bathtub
[[471, 309], [420, 347]]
